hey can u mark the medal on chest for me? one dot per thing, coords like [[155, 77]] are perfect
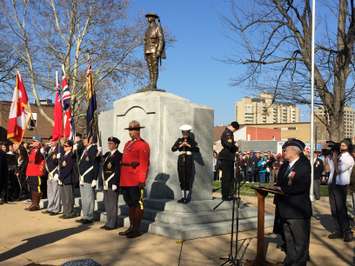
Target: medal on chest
[[64, 164], [109, 165], [87, 158], [53, 157]]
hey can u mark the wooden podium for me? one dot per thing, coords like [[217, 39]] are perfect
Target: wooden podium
[[261, 193]]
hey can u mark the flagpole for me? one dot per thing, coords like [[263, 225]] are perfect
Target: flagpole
[[311, 194]]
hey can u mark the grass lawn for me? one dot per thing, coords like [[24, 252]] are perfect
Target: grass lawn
[[247, 190]]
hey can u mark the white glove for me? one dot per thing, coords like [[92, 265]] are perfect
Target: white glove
[[114, 187], [81, 183], [93, 183], [99, 150], [58, 155], [75, 147], [56, 177], [60, 182]]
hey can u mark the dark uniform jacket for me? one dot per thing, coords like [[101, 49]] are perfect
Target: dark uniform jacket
[[88, 160], [51, 162], [66, 171], [318, 169], [190, 141], [295, 183], [111, 169], [3, 170], [229, 148]]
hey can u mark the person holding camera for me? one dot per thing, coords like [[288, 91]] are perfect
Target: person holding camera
[[343, 164], [227, 159]]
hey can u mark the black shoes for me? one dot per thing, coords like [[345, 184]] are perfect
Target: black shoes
[[335, 235], [126, 232], [107, 228], [84, 221], [348, 237], [133, 234], [54, 213], [182, 200], [47, 212]]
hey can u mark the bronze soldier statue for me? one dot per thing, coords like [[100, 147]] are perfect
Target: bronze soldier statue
[[154, 48]]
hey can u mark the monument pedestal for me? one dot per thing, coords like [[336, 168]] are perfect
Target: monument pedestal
[[162, 114]]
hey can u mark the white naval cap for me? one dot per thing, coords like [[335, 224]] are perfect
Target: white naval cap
[[185, 127]]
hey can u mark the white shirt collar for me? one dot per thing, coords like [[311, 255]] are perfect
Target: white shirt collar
[[292, 162]]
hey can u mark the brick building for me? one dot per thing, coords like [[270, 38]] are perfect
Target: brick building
[[39, 127]]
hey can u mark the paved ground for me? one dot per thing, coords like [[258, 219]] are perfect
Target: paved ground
[[37, 239]]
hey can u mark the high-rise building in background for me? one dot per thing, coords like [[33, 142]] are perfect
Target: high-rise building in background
[[262, 110], [349, 123]]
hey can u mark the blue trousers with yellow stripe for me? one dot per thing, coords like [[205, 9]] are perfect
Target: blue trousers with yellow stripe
[[34, 183]]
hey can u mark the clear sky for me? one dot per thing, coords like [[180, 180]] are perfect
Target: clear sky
[[193, 69]]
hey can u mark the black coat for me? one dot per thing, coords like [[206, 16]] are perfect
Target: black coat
[[66, 172], [191, 141], [3, 169], [295, 204], [112, 165], [318, 169], [88, 159], [229, 148], [51, 160]]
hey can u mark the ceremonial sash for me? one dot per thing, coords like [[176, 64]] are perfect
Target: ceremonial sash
[[86, 172], [108, 180]]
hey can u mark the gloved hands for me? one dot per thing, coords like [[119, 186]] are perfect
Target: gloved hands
[[56, 177], [94, 183], [58, 155], [81, 183], [60, 182], [141, 185], [114, 187]]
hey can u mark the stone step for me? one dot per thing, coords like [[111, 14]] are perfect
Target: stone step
[[184, 232], [187, 218]]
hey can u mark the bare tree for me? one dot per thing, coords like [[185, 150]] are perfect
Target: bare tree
[[75, 33], [276, 40]]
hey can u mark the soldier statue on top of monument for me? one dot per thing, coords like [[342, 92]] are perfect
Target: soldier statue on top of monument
[[154, 49]]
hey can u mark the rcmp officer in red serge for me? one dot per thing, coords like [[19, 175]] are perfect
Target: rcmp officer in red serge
[[66, 180], [294, 207], [110, 178], [88, 172], [186, 146], [134, 172], [34, 171]]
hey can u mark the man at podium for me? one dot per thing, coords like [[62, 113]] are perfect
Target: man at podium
[[294, 205]]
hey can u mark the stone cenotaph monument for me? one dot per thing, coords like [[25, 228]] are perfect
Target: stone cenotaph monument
[[162, 113]]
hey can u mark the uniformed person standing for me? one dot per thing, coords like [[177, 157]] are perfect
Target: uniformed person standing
[[34, 172], [53, 194], [66, 180], [88, 172], [110, 178], [227, 159], [134, 172], [294, 207], [186, 146]]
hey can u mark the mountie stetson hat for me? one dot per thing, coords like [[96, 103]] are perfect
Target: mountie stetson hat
[[185, 128], [294, 142], [134, 125], [114, 140], [151, 15]]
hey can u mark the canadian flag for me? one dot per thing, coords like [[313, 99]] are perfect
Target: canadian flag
[[20, 112]]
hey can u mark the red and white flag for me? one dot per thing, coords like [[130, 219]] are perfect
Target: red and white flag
[[57, 132], [20, 112]]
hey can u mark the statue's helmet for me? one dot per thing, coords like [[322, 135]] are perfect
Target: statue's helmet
[[152, 15]]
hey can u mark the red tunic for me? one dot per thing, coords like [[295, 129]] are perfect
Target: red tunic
[[35, 166], [134, 151]]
